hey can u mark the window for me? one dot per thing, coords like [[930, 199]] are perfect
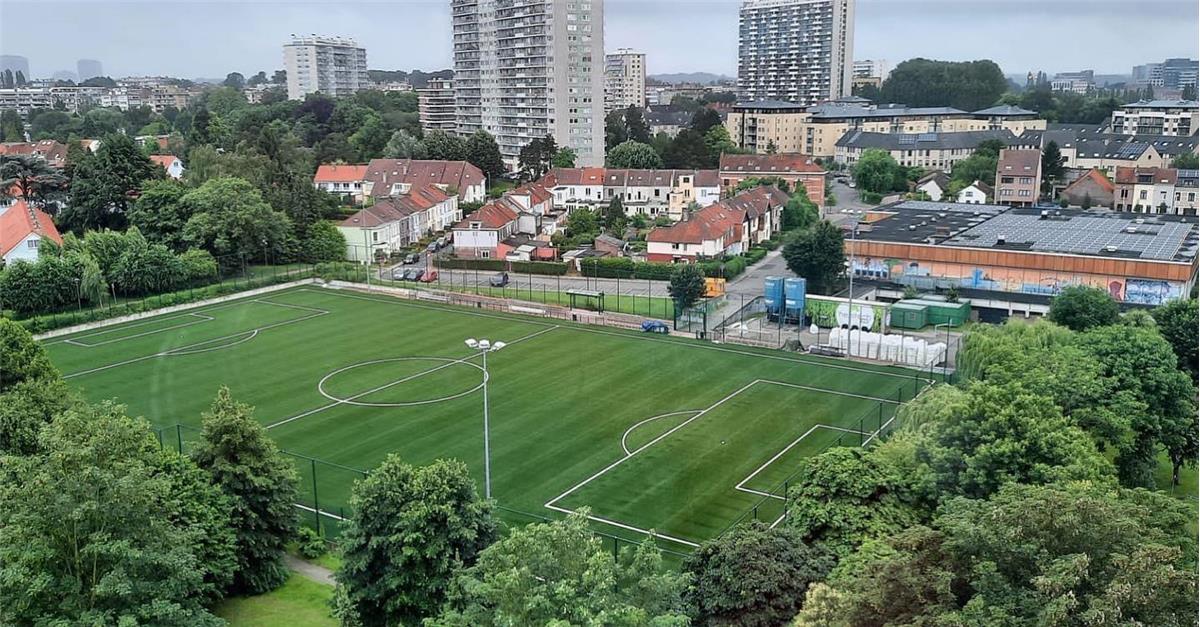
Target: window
[[33, 243]]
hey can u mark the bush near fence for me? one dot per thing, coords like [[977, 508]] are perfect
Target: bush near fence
[[49, 322], [553, 268]]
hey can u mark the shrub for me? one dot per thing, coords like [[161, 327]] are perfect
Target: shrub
[[310, 544]]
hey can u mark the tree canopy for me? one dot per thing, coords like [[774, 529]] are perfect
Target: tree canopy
[[1080, 308], [966, 85], [818, 255]]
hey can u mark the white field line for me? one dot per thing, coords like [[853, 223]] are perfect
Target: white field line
[[189, 349], [151, 319], [625, 436], [319, 511], [648, 444], [824, 391], [398, 381], [820, 364], [393, 300], [741, 484], [75, 340], [622, 525]]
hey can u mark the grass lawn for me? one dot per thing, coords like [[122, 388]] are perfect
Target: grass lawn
[[300, 602], [650, 432], [651, 306]]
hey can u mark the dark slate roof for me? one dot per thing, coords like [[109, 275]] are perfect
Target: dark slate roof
[[923, 141], [768, 104], [1162, 104], [835, 111], [1002, 110]]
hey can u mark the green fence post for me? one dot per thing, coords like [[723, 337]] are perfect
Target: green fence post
[[316, 503], [179, 437]]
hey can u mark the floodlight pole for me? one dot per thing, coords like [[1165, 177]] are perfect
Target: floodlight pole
[[487, 438]]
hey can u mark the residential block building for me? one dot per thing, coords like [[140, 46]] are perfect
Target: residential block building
[[435, 106], [1179, 118], [524, 70], [1018, 177], [799, 51], [396, 222], [624, 79], [729, 227], [932, 151], [334, 66], [795, 169], [389, 177], [646, 192]]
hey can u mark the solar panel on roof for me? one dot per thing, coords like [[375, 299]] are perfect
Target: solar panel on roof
[[905, 140], [927, 137]]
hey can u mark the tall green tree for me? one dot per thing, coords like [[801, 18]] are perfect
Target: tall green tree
[[558, 574], [412, 530], [247, 466], [229, 218], [21, 358], [635, 125], [441, 145], [1052, 164], [1178, 324], [483, 152], [634, 155], [876, 171], [1080, 307], [564, 158], [536, 157], [160, 214], [752, 576], [34, 180], [704, 119], [12, 129], [818, 254], [404, 145], [686, 286], [966, 85], [615, 130], [106, 184], [687, 150], [93, 534]]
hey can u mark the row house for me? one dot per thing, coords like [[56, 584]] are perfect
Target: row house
[[51, 151], [1018, 177], [395, 223], [645, 192], [389, 177], [797, 170], [728, 227], [516, 226], [345, 181], [1086, 147], [1155, 190]]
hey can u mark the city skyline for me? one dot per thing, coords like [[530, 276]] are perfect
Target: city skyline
[[205, 46]]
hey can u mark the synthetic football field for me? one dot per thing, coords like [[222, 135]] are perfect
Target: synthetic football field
[[679, 436]]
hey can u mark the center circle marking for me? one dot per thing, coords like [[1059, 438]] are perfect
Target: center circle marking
[[446, 361]]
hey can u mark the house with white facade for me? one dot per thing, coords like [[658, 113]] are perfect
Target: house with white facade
[[22, 229], [645, 192], [977, 193], [397, 222], [478, 235], [346, 181], [934, 185], [171, 164], [728, 227]]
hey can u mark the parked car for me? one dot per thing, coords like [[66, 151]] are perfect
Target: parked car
[[432, 247], [655, 326], [411, 258], [500, 280], [430, 276], [398, 274], [411, 274], [441, 241]]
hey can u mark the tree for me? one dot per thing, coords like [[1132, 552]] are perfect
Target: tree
[[1141, 363], [704, 119], [105, 185], [483, 152], [403, 145], [441, 145], [1080, 308], [279, 77], [412, 530], [800, 212], [615, 130], [1052, 164], [21, 358], [687, 150], [247, 466], [876, 171], [966, 85], [687, 285], [1186, 161], [558, 574], [719, 143], [844, 497], [230, 220], [50, 124], [999, 434], [12, 129], [160, 214], [223, 101], [817, 254], [371, 138], [93, 534], [535, 157], [1177, 322], [614, 216], [324, 242], [235, 80], [34, 180], [564, 158], [634, 155], [635, 125], [752, 576]]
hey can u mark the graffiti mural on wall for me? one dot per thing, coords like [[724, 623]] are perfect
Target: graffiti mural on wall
[[931, 275]]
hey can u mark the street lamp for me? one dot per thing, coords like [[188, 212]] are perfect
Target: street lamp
[[484, 347]]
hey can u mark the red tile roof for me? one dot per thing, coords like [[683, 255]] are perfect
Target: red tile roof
[[164, 160], [1097, 177], [1013, 160], [780, 163], [19, 220], [52, 151], [329, 173], [722, 218], [494, 215], [384, 173], [1129, 176], [393, 208]]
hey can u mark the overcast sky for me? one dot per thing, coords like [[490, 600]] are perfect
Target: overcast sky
[[191, 38]]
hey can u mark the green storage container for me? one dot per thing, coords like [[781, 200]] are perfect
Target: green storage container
[[942, 312], [909, 316]]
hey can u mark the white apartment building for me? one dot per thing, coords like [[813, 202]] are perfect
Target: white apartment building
[[435, 104], [624, 79], [333, 66], [798, 51], [1178, 118], [871, 68], [526, 69]]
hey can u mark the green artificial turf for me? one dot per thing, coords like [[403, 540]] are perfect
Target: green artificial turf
[[349, 378], [299, 602]]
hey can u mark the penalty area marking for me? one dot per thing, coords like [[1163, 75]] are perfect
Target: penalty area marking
[[75, 340], [625, 436]]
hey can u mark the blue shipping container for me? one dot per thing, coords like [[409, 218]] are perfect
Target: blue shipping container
[[794, 290], [773, 294]]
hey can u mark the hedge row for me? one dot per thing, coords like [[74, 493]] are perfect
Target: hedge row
[[49, 322], [553, 268]]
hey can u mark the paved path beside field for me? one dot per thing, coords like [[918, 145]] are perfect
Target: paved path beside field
[[319, 574]]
